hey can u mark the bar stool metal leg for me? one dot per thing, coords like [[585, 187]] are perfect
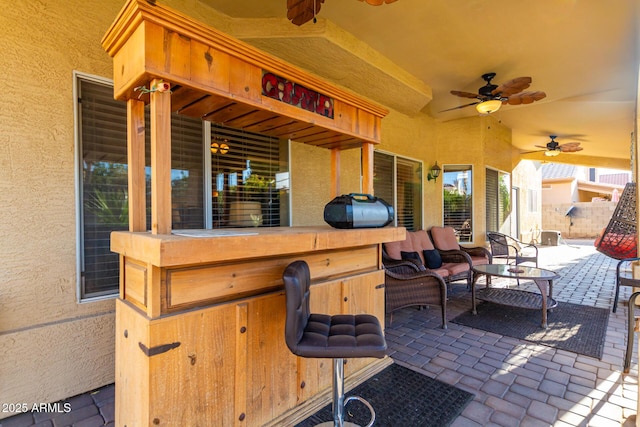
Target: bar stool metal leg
[[339, 402]]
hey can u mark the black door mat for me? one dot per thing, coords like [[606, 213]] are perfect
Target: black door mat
[[401, 397], [576, 328]]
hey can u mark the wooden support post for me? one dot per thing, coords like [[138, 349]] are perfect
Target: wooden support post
[[135, 156], [160, 160], [367, 168], [335, 172]]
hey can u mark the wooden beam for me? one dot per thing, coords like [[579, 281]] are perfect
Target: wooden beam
[[367, 168], [160, 160], [335, 172], [135, 156]]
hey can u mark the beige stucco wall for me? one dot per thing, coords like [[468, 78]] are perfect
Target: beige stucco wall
[[54, 347], [559, 191], [51, 346], [588, 218], [527, 177]]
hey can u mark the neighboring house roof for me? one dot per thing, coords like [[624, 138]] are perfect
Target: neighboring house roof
[[599, 187], [607, 183], [615, 178]]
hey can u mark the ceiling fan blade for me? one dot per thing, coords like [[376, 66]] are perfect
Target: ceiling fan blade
[[570, 147], [535, 151], [301, 11], [525, 97], [512, 87], [465, 94], [542, 146], [459, 107]]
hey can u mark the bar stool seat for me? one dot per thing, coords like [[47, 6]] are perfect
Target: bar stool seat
[[328, 336]]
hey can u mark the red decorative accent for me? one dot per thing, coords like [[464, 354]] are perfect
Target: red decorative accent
[[617, 246], [297, 95]]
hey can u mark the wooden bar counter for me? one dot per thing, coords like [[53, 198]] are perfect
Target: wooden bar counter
[[200, 318], [200, 321]]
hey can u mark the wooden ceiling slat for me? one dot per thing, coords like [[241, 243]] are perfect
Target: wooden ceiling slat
[[255, 117], [206, 106], [182, 96], [218, 109], [231, 112], [344, 145], [309, 132], [333, 141], [268, 126], [289, 129], [325, 138]]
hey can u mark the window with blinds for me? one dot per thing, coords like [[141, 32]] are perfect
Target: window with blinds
[[245, 181], [398, 181], [244, 169], [492, 200], [457, 200], [498, 199], [103, 207]]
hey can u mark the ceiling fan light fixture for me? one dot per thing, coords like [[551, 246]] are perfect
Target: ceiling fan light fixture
[[552, 153], [488, 107]]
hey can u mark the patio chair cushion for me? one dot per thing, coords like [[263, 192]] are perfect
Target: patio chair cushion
[[445, 238], [416, 241], [456, 267], [432, 258], [412, 256]]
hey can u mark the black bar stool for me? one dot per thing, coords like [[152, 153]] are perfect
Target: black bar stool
[[323, 336]]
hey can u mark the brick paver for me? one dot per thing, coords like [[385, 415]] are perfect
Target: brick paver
[[515, 382], [545, 387]]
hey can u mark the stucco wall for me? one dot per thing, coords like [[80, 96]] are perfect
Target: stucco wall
[[53, 347], [527, 176], [559, 191], [588, 218]]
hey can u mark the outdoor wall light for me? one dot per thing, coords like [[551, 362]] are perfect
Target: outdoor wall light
[[434, 172]]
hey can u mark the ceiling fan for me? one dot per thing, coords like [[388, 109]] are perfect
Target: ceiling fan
[[302, 11], [490, 97], [553, 148]]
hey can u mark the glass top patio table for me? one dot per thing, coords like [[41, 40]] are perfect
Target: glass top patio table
[[515, 297], [515, 272]]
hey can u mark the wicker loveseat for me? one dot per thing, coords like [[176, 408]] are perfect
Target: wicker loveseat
[[407, 281]]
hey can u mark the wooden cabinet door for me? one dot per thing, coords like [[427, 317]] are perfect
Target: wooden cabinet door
[[363, 294]]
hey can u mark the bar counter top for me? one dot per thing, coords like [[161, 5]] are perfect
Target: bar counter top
[[184, 247]]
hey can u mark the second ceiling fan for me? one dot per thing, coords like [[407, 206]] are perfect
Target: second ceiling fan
[[303, 11], [490, 97], [553, 148]]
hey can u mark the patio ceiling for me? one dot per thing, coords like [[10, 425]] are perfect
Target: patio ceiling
[[409, 54]]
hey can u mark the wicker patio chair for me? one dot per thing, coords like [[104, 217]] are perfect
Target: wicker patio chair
[[445, 241], [406, 285], [510, 249]]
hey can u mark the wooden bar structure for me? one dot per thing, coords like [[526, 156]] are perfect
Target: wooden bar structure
[[200, 317]]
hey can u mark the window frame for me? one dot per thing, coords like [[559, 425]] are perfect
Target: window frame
[[394, 201], [500, 207], [206, 169], [79, 186], [470, 168]]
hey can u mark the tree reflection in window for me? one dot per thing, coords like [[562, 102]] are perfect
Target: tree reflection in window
[[457, 197]]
